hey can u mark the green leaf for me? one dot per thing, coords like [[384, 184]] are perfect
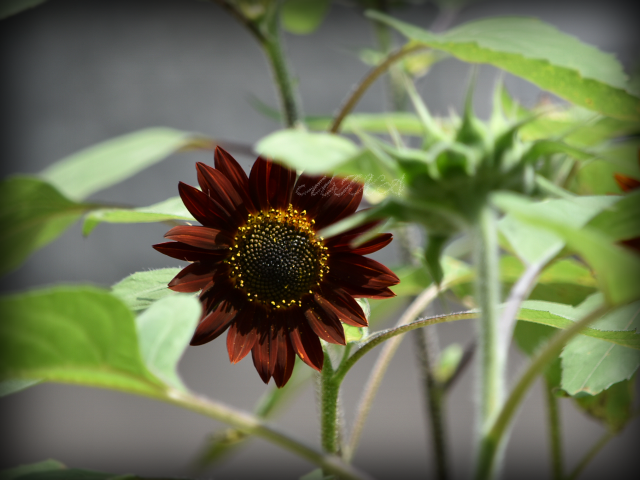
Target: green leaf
[[617, 269], [613, 406], [622, 220], [16, 385], [54, 470], [303, 16], [81, 335], [24, 470], [170, 209], [539, 53], [597, 177], [448, 362], [531, 244], [404, 122], [139, 290], [11, 7], [590, 365], [32, 214], [164, 331], [108, 163], [311, 152]]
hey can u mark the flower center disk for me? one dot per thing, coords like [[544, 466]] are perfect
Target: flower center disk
[[276, 257]]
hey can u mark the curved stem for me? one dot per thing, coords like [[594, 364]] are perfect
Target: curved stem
[[368, 80], [252, 425], [380, 367], [384, 335], [493, 438]]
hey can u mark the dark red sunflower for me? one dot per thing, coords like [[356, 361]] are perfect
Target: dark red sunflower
[[264, 273]]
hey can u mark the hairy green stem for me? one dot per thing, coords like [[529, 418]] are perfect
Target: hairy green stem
[[593, 451], [492, 362], [252, 425], [555, 440], [329, 389], [368, 80], [494, 436], [435, 395]]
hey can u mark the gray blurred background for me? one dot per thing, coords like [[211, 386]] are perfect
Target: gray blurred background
[[78, 72]]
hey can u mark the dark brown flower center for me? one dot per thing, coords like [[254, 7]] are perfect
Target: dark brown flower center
[[276, 257]]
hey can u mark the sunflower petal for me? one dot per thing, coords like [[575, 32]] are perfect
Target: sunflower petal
[[234, 172], [342, 305], [203, 208], [242, 334], [215, 323], [285, 359], [270, 184], [215, 184], [342, 243], [325, 324], [326, 200], [192, 278], [187, 253], [304, 341], [261, 355], [351, 270], [202, 237]]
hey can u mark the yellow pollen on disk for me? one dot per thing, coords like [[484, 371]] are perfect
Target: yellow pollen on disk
[[277, 257]]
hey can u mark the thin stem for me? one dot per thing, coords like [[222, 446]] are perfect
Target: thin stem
[[380, 367], [329, 389], [593, 451], [435, 395], [277, 59], [487, 298], [385, 335], [270, 39], [252, 425], [495, 434], [368, 80], [555, 440]]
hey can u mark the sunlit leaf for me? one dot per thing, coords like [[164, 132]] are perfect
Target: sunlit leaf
[[139, 290], [622, 220], [597, 177], [81, 335], [404, 122], [533, 244], [108, 163], [170, 209], [11, 7], [164, 331], [538, 52], [303, 16], [308, 151], [32, 214], [590, 365], [558, 315]]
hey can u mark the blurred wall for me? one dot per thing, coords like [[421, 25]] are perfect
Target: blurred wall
[[78, 72]]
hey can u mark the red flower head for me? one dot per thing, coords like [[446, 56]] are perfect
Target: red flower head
[[264, 274]]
